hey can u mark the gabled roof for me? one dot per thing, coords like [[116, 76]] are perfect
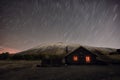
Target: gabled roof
[[78, 49]]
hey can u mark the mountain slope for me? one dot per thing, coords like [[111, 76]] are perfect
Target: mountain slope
[[62, 49]]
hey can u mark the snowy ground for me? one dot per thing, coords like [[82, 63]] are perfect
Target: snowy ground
[[27, 70]]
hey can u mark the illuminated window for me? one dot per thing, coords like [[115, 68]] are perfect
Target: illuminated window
[[75, 58], [88, 59]]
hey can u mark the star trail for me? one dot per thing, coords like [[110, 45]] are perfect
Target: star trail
[[28, 23]]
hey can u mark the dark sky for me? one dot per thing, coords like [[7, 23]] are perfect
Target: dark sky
[[28, 23]]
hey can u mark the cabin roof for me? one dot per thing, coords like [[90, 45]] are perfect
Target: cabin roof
[[94, 49], [90, 51]]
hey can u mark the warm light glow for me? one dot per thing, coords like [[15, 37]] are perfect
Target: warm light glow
[[75, 58], [88, 59], [10, 50]]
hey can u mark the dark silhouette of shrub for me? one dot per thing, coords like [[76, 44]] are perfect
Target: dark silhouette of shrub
[[28, 57], [4, 56], [33, 56], [17, 57]]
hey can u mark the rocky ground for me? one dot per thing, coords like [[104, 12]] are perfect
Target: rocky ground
[[27, 70]]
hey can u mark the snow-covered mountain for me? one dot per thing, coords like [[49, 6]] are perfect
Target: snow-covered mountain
[[60, 48]]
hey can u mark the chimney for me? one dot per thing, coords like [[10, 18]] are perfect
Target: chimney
[[67, 49]]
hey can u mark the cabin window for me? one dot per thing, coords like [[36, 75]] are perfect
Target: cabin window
[[88, 59], [75, 58]]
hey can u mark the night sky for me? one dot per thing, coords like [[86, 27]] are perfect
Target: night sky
[[28, 23]]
